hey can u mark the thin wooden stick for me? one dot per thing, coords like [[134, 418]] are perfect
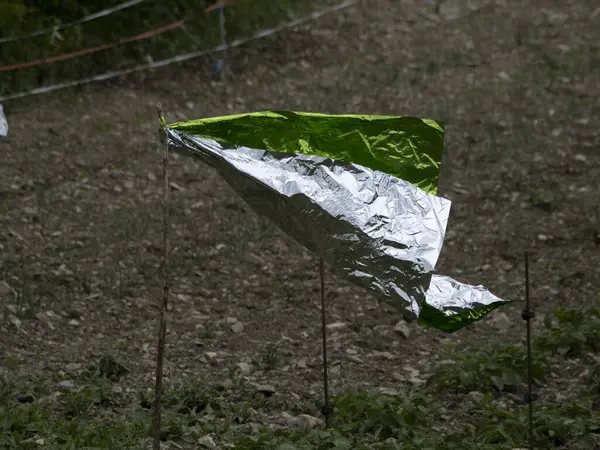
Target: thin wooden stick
[[327, 407], [160, 353], [527, 315]]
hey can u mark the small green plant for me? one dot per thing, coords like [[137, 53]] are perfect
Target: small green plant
[[82, 402], [25, 301], [573, 333], [542, 199], [573, 425], [501, 366], [404, 416], [297, 440], [270, 357]]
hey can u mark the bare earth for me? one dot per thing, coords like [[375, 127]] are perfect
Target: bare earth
[[518, 87]]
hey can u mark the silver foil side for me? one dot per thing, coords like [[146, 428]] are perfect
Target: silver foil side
[[379, 232]]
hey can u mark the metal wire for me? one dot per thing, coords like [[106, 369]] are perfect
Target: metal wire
[[97, 15], [185, 57]]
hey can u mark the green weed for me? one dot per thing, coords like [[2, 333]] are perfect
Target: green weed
[[500, 366], [573, 333]]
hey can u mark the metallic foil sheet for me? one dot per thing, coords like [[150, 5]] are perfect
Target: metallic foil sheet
[[377, 230], [3, 123]]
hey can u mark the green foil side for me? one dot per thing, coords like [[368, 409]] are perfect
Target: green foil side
[[409, 148]]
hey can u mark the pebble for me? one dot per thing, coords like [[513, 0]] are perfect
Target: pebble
[[476, 396], [501, 321], [387, 391], [207, 442], [289, 419], [5, 289], [237, 327], [354, 358], [245, 368], [210, 355], [67, 384], [307, 422], [266, 389], [402, 329], [301, 363], [385, 355]]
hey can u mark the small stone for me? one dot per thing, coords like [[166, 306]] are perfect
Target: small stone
[[501, 322], [237, 327], [354, 358], [176, 187], [336, 325], [45, 319], [476, 396], [5, 289], [398, 376], [385, 355], [67, 384], [580, 157], [301, 363], [307, 422], [210, 355], [73, 366], [254, 259], [388, 391], [224, 385], [74, 322], [416, 380], [207, 442], [504, 76], [245, 368], [289, 420], [49, 400], [402, 329], [231, 320], [266, 389]]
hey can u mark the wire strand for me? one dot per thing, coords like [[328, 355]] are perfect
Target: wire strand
[[88, 18], [184, 57], [87, 51]]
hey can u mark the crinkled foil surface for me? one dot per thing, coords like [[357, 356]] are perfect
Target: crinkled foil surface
[[378, 231], [3, 123]]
